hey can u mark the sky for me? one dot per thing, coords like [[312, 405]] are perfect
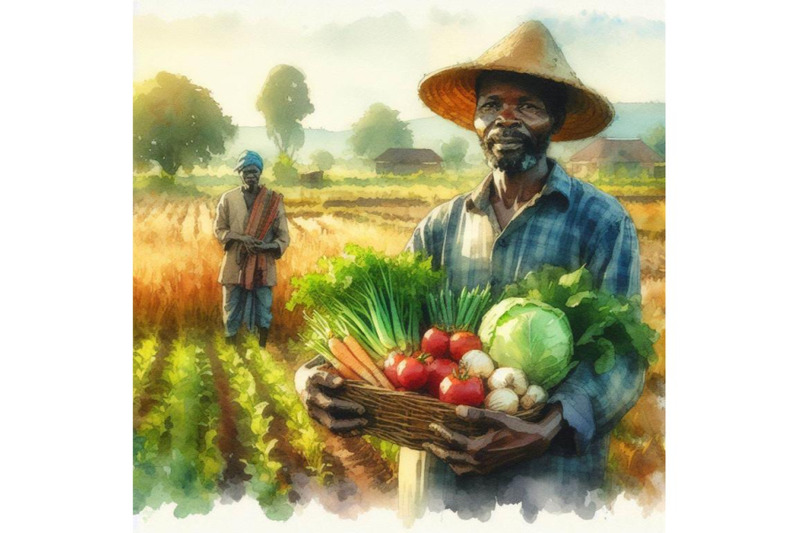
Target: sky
[[355, 53]]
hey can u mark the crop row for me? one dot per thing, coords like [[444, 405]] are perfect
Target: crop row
[[279, 384], [208, 428]]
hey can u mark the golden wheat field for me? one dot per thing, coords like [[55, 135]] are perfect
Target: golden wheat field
[[176, 260]]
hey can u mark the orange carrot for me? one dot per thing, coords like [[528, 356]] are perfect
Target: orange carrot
[[340, 350], [367, 361], [346, 372]]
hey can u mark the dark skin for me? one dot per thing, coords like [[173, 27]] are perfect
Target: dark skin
[[510, 440], [507, 112], [250, 176], [512, 121], [340, 416]]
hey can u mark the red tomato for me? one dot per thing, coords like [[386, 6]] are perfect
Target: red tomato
[[463, 341], [453, 389], [438, 369], [412, 373], [436, 342], [390, 367]]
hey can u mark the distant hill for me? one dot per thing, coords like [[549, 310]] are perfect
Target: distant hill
[[631, 121]]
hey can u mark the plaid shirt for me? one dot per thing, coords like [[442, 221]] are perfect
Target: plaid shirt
[[569, 224]]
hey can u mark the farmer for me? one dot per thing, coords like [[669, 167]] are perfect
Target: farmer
[[251, 225], [526, 213]]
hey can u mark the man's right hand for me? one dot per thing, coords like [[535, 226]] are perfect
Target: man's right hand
[[339, 415], [249, 241]]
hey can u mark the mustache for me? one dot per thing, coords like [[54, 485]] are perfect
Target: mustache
[[506, 134]]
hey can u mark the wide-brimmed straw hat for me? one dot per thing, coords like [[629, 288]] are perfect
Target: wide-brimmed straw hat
[[531, 50]]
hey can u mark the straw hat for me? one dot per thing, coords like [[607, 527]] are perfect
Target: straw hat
[[530, 49]]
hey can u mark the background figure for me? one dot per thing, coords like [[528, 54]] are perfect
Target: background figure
[[251, 225]]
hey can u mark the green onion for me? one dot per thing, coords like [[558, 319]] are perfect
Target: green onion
[[462, 312], [378, 299]]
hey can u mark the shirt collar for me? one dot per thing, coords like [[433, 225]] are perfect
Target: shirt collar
[[558, 182]]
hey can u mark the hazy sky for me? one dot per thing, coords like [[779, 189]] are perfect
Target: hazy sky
[[355, 53]]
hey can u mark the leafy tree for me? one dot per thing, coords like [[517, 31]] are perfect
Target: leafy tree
[[656, 139], [322, 159], [284, 170], [284, 102], [454, 151], [177, 124], [378, 130]]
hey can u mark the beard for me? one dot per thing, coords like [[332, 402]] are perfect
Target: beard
[[530, 152]]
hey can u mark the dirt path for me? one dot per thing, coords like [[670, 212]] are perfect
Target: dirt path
[[364, 466], [232, 451], [292, 461]]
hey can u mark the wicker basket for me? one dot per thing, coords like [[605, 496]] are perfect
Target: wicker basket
[[403, 417]]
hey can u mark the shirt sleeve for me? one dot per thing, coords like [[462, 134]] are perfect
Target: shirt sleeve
[[428, 236], [222, 226], [420, 239], [282, 229], [593, 404], [615, 259]]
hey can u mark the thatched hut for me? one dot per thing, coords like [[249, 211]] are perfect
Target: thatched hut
[[612, 155], [408, 161]]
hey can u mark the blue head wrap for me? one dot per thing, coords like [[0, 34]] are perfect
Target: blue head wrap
[[247, 158]]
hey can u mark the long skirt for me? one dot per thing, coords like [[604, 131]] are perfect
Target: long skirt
[[252, 308]]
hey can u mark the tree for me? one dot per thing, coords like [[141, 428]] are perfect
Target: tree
[[378, 130], [656, 139], [284, 102], [322, 159], [454, 151], [284, 170], [177, 124]]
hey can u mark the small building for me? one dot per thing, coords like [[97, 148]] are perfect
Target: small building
[[408, 161], [611, 156], [312, 178]]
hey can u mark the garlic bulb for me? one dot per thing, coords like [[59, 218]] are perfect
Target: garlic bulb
[[505, 400], [513, 378], [535, 394], [477, 363]]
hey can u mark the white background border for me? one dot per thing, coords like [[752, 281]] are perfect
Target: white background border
[[732, 273]]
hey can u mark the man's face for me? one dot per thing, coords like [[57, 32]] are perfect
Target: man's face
[[513, 125], [250, 176]]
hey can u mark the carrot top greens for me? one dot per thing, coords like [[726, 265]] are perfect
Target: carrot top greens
[[376, 298]]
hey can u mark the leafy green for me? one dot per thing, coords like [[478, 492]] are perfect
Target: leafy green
[[604, 325], [376, 298]]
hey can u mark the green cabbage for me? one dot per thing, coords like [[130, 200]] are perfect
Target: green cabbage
[[530, 335]]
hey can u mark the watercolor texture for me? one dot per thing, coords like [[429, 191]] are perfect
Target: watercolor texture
[[328, 96]]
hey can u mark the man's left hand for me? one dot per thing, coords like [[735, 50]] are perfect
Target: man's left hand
[[510, 440], [261, 247]]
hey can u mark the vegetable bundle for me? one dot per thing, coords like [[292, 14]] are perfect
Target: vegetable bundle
[[364, 312], [378, 299]]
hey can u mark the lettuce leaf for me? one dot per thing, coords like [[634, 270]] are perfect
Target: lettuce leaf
[[604, 325]]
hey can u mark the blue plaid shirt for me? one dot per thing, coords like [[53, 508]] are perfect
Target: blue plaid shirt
[[569, 224]]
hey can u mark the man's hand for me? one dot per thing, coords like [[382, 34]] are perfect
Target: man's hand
[[248, 241], [255, 246], [338, 415], [266, 246], [510, 440]]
